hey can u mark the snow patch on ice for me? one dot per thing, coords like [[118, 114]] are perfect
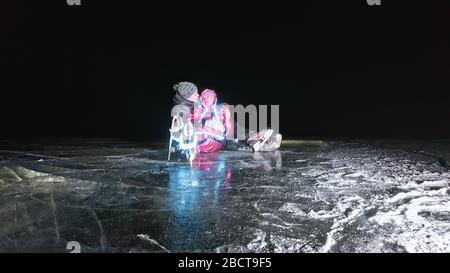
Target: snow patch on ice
[[146, 238], [259, 242], [347, 211], [230, 248], [9, 175], [434, 184], [419, 228], [293, 208], [291, 245]]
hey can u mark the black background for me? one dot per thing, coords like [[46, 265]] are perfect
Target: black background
[[336, 68]]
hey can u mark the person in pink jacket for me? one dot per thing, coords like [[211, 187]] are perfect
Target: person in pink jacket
[[214, 124]]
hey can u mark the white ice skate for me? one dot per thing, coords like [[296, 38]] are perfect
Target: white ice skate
[[272, 144], [260, 143]]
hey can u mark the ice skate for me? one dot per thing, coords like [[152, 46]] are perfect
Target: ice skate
[[260, 143]]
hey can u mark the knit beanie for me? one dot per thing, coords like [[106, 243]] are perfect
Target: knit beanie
[[185, 89]]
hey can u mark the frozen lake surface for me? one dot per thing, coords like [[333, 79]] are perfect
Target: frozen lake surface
[[312, 196]]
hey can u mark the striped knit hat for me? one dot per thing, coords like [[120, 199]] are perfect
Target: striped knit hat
[[185, 89]]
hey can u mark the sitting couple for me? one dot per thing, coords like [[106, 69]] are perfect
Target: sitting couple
[[212, 124]]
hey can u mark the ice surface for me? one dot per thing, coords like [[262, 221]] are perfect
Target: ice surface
[[113, 196]]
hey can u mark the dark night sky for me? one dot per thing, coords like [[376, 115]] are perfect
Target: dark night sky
[[336, 68]]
